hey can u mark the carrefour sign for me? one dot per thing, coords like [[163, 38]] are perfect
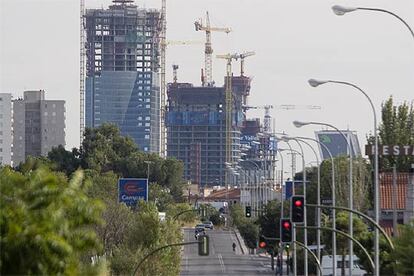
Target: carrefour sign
[[131, 190]]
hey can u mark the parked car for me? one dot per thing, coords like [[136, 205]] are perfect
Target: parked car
[[208, 224]]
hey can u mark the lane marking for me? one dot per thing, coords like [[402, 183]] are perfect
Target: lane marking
[[223, 268]]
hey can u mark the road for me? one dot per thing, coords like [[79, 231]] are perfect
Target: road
[[222, 260]]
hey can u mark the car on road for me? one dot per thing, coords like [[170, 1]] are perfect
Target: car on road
[[208, 224], [199, 229]]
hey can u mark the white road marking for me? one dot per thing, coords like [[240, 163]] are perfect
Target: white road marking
[[223, 268]]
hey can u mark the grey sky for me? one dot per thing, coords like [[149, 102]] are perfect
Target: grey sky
[[293, 41]]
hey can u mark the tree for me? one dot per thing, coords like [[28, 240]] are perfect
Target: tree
[[65, 161], [396, 128], [248, 229], [385, 257], [342, 223], [46, 223], [404, 250], [103, 148]]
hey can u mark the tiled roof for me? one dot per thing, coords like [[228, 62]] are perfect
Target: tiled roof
[[233, 193], [385, 180]]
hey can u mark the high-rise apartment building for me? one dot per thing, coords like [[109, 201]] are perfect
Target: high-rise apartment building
[[5, 129], [38, 125], [122, 82]]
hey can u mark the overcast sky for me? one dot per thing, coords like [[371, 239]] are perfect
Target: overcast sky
[[293, 41]]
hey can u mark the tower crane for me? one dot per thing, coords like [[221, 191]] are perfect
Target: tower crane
[[208, 51], [242, 56], [267, 121], [229, 103]]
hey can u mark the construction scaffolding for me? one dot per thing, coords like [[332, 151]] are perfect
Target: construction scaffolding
[[197, 116]]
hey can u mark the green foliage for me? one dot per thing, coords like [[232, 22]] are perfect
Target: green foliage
[[360, 231], [46, 222], [248, 229], [362, 184], [189, 214], [216, 219], [146, 233], [103, 148], [161, 196], [385, 258], [396, 128], [65, 161], [404, 250], [250, 234]]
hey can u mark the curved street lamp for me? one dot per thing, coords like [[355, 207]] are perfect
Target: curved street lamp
[[350, 190], [315, 83], [333, 195], [341, 10], [305, 234]]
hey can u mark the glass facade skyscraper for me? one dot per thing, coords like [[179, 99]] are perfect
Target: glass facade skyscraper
[[122, 83]]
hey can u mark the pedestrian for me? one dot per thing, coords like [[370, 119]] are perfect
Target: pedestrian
[[234, 247]]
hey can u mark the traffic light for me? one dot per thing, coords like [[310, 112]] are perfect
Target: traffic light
[[285, 230], [248, 211], [297, 209], [203, 245], [262, 242]]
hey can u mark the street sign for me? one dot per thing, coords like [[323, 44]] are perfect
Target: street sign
[[130, 190], [288, 191]]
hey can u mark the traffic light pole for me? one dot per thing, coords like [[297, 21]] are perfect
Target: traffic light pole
[[318, 263], [389, 241], [159, 249], [347, 236], [183, 212]]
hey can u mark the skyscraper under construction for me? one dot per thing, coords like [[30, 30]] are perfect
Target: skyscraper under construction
[[196, 128], [122, 79]]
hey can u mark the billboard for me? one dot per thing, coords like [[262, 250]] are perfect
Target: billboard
[[336, 143], [130, 190]]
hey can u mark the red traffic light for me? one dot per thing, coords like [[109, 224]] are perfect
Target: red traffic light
[[262, 244], [298, 203], [286, 225]]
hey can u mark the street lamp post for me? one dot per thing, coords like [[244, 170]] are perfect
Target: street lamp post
[[318, 199], [148, 169], [316, 83], [350, 190], [255, 190], [293, 193], [341, 10], [333, 195], [305, 234]]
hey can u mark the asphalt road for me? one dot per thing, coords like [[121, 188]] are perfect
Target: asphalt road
[[222, 260]]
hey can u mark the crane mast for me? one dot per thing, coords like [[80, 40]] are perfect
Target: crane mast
[[242, 57], [208, 50], [229, 103], [82, 70]]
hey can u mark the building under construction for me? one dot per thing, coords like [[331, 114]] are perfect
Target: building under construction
[[196, 128], [122, 78]]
